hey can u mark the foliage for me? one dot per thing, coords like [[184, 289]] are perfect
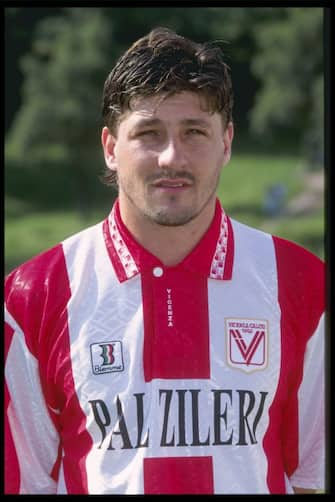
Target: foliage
[[60, 74], [289, 65], [53, 152], [59, 121]]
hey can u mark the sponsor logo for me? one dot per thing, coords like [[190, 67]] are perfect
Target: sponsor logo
[[232, 417], [247, 343], [106, 357]]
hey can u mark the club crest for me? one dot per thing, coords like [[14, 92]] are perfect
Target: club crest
[[247, 343]]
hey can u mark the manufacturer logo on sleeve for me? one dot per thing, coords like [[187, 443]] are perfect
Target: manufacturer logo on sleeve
[[247, 343], [107, 357]]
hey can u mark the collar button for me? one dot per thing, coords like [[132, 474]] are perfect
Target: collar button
[[157, 271]]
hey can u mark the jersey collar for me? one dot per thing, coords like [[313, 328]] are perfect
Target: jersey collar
[[212, 256]]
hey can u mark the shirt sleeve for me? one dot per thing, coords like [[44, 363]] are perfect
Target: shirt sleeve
[[301, 278], [32, 418], [310, 472], [31, 438]]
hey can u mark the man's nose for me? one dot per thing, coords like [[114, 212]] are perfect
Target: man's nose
[[172, 154]]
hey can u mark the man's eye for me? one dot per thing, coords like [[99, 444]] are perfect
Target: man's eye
[[196, 132], [149, 132]]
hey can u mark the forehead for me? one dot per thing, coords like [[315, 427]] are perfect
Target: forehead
[[167, 107]]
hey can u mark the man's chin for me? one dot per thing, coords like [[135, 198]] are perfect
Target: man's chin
[[170, 218]]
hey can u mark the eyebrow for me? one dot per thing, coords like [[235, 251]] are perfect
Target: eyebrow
[[196, 122], [143, 122]]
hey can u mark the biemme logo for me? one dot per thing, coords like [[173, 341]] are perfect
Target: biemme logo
[[107, 357]]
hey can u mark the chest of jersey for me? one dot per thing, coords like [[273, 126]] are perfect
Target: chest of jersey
[[171, 364]]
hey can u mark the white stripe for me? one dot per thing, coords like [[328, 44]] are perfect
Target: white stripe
[[102, 310], [311, 472], [34, 435], [251, 294]]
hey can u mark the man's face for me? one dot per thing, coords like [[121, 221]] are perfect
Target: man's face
[[168, 155]]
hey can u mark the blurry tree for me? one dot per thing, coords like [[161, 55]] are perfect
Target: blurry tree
[[238, 26], [58, 123], [289, 65]]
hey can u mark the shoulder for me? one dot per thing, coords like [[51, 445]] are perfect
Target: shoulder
[[291, 258], [48, 264], [301, 286], [299, 275], [42, 283], [301, 280], [35, 271], [34, 291], [296, 263], [296, 251]]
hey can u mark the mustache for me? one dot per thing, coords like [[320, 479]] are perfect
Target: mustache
[[170, 175]]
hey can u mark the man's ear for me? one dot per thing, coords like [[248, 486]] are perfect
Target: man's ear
[[108, 144], [227, 140]]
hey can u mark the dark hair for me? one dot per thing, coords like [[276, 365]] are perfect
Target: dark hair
[[163, 62]]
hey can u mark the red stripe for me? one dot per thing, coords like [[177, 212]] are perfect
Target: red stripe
[[178, 475], [176, 340], [239, 341], [113, 255], [228, 269], [254, 345], [37, 296], [301, 300]]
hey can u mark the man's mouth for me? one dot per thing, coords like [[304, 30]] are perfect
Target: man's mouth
[[171, 184]]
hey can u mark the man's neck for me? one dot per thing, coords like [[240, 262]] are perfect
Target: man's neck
[[170, 244]]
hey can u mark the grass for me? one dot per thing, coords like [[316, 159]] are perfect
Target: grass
[[31, 232], [246, 177], [242, 187]]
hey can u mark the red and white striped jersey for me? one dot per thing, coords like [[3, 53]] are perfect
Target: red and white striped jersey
[[124, 376]]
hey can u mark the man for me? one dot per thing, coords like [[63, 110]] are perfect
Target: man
[[169, 349]]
